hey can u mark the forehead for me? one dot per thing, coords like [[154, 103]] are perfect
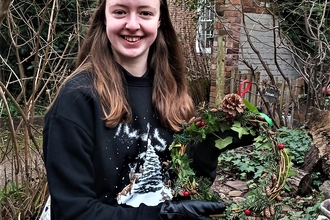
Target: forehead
[[135, 3]]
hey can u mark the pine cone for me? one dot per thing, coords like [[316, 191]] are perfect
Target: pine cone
[[233, 104], [268, 191], [272, 210], [267, 212]]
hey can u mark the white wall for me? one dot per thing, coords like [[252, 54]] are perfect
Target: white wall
[[259, 28]]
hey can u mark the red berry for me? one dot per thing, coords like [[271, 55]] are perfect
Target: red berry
[[202, 124], [186, 193], [247, 212], [281, 146]]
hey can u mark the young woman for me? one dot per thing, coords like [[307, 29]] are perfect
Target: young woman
[[107, 134]]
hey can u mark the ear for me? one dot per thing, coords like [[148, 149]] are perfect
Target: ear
[[158, 23]]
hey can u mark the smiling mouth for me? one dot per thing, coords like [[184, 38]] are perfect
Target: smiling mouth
[[132, 39]]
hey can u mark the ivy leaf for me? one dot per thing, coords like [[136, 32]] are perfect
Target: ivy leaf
[[192, 127], [225, 126], [260, 170], [202, 133], [223, 143], [292, 173], [239, 129], [264, 146], [245, 167], [259, 139], [252, 132]]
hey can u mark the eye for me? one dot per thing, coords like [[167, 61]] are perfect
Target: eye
[[119, 12], [146, 13]]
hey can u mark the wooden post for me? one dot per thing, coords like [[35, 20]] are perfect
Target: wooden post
[[220, 73], [233, 80], [254, 91]]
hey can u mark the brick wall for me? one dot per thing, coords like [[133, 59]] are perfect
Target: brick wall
[[184, 23]]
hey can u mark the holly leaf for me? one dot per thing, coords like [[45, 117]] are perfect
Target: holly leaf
[[239, 129], [223, 143]]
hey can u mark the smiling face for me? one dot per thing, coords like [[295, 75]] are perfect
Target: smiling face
[[131, 27]]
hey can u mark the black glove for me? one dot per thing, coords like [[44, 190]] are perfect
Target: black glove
[[190, 210]]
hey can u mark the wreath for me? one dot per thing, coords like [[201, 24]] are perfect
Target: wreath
[[261, 202]]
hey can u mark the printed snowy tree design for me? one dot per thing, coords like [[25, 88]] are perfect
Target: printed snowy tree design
[[151, 178]]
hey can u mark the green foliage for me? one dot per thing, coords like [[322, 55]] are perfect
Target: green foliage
[[12, 108], [244, 164], [297, 141], [11, 191], [308, 208], [316, 176], [38, 110], [326, 102]]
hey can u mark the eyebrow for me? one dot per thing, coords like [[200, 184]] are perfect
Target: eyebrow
[[125, 6]]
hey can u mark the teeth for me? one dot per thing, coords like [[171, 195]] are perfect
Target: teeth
[[132, 39]]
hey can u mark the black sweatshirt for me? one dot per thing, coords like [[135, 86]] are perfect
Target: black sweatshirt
[[88, 165]]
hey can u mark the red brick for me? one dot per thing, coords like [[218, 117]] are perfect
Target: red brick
[[231, 19], [227, 74], [236, 44], [228, 68], [235, 2], [220, 2], [232, 51], [248, 3], [218, 25], [229, 42], [234, 57], [212, 88], [224, 32], [229, 63], [224, 8], [249, 9], [262, 11], [233, 13]]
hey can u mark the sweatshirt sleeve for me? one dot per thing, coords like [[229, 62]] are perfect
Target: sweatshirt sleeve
[[205, 155], [68, 151]]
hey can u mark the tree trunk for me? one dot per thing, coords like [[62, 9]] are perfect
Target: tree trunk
[[318, 157], [300, 183], [4, 6]]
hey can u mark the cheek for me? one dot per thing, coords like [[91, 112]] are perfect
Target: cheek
[[111, 31], [152, 29]]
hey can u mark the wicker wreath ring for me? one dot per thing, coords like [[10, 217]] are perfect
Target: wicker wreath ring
[[239, 115]]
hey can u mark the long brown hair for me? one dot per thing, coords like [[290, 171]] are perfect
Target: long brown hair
[[170, 91]]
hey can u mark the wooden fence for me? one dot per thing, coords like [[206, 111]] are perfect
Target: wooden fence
[[237, 81]]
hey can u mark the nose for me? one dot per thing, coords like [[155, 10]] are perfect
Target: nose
[[133, 23]]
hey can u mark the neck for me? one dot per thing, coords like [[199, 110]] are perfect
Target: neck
[[135, 66]]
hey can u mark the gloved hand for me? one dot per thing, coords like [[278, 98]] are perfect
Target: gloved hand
[[190, 210]]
